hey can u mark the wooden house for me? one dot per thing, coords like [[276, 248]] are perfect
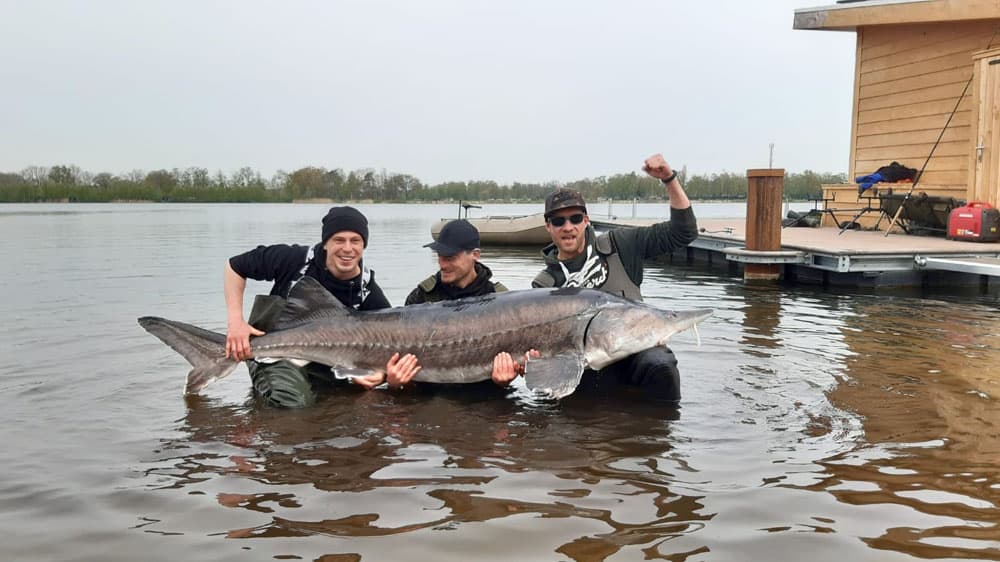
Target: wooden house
[[924, 70]]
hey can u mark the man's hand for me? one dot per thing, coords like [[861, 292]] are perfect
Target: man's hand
[[505, 369], [657, 167], [399, 371], [370, 381], [238, 340]]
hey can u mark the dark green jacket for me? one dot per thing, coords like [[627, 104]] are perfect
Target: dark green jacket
[[433, 290]]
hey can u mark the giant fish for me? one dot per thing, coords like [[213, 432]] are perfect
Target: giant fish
[[454, 341]]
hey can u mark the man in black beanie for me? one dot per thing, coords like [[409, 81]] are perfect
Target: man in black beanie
[[336, 263]]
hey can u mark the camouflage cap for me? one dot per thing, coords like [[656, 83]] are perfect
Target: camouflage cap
[[563, 198]]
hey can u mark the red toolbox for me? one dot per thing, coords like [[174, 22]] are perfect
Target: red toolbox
[[975, 222]]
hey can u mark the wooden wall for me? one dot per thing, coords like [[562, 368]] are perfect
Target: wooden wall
[[908, 79]]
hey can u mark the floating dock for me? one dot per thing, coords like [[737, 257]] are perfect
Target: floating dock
[[824, 255], [850, 258]]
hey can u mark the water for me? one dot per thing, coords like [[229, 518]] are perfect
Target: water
[[814, 425]]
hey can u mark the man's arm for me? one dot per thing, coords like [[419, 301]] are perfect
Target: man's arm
[[239, 331], [638, 244]]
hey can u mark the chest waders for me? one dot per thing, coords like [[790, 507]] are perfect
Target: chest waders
[[602, 270], [654, 370], [283, 383]]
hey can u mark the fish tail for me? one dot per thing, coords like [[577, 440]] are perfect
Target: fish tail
[[203, 349]]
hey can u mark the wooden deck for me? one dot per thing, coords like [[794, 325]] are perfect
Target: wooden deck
[[830, 240]]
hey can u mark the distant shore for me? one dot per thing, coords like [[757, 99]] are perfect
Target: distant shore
[[324, 201]]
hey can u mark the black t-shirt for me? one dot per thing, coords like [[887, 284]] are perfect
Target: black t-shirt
[[282, 263]]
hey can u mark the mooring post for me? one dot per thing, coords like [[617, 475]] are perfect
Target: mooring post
[[765, 190]]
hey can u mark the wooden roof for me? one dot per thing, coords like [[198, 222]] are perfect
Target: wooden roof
[[848, 16]]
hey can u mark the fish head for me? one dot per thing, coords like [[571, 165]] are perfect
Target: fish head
[[620, 330]]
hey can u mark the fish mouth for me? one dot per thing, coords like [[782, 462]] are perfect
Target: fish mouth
[[686, 319]]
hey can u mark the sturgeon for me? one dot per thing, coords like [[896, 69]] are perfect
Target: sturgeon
[[454, 341]]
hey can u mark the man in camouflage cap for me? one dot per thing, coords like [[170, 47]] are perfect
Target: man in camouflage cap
[[613, 262]]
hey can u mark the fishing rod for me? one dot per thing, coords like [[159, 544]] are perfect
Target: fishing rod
[[920, 174]]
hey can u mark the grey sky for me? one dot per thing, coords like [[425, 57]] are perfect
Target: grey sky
[[444, 90]]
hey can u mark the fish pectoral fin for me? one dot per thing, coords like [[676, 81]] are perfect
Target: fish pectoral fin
[[555, 376], [348, 373]]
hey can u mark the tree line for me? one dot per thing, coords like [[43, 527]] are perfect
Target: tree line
[[198, 185]]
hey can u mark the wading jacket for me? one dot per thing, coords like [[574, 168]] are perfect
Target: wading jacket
[[433, 290], [285, 264], [613, 261]]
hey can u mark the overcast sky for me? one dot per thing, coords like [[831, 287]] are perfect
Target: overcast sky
[[508, 90]]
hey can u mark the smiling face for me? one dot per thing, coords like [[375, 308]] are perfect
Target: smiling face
[[343, 254], [569, 238], [459, 270]]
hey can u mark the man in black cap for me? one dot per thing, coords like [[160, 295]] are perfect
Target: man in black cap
[[613, 262], [461, 274], [336, 263]]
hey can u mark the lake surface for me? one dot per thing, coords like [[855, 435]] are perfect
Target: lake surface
[[814, 425]]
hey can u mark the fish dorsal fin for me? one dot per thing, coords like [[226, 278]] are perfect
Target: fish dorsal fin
[[555, 377], [308, 300]]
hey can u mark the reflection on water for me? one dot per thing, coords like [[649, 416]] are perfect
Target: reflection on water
[[456, 461], [928, 393], [814, 425]]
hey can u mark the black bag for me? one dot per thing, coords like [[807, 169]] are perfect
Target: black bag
[[896, 172]]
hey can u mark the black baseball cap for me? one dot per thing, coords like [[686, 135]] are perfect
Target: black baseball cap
[[563, 198], [456, 236]]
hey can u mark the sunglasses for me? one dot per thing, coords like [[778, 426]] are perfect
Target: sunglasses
[[559, 221]]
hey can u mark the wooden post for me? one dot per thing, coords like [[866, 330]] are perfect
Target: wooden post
[[765, 189]]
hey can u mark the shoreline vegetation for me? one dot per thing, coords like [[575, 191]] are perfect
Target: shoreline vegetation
[[70, 184]]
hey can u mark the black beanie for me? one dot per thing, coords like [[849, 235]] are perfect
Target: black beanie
[[345, 218]]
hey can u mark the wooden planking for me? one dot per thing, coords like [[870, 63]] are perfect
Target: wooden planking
[[923, 95], [984, 181], [982, 127], [910, 51], [938, 37], [936, 163], [853, 16], [975, 119], [954, 178], [926, 137], [857, 98], [901, 125], [911, 151], [927, 31], [959, 74], [908, 79], [921, 68], [938, 107], [992, 105]]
